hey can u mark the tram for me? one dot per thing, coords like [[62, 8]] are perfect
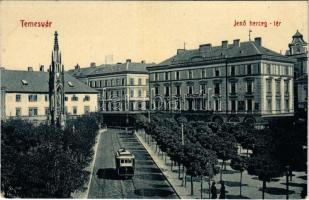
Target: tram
[[125, 163]]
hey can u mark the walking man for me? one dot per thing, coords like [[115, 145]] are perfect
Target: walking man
[[213, 190], [222, 191]]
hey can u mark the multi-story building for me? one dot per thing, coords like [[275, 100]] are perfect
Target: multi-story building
[[25, 94], [242, 81], [121, 86], [298, 50]]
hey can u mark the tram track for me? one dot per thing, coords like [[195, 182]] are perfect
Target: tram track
[[125, 183], [106, 184]]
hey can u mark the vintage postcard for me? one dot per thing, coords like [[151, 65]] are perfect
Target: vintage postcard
[[154, 99]]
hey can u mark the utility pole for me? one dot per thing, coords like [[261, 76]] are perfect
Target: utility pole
[[250, 34], [183, 145]]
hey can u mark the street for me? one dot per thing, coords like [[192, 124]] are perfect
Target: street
[[148, 182]]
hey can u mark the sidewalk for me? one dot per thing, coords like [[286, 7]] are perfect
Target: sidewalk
[[251, 186], [84, 194], [172, 177]]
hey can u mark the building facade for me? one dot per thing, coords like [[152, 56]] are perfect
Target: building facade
[[298, 50], [122, 86], [242, 81], [25, 94]]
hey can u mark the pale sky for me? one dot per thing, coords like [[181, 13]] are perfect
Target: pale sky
[[151, 31]]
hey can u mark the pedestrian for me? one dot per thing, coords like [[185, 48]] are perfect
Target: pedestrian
[[222, 191], [213, 190]]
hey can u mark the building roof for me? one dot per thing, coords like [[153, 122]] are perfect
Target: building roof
[[297, 34], [105, 69], [37, 82], [298, 39], [239, 50]]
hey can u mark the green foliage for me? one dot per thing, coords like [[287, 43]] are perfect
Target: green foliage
[[239, 163], [265, 166], [43, 162]]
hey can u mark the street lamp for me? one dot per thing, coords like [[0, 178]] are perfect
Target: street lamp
[[208, 95], [287, 181]]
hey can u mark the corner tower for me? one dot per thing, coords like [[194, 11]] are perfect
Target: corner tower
[[56, 87]]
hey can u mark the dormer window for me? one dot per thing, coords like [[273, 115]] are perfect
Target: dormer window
[[70, 84], [24, 82], [87, 98], [74, 98]]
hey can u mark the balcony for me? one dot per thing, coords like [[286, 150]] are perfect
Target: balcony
[[233, 94], [249, 94]]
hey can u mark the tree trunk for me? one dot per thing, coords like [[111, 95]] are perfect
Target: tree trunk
[[179, 170], [263, 189], [201, 187], [247, 152], [192, 193], [186, 178], [287, 185], [209, 187], [224, 165], [172, 163], [221, 170], [165, 158], [156, 147], [291, 173], [240, 185]]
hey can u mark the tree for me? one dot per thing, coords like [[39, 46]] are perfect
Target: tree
[[226, 148], [239, 163], [43, 162], [266, 167]]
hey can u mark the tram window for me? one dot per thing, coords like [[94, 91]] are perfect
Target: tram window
[[121, 161]]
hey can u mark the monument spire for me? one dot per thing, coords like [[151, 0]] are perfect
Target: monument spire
[[56, 87], [56, 46]]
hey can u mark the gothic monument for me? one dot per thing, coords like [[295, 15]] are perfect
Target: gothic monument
[[56, 87]]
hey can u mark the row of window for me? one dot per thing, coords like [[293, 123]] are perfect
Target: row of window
[[203, 104], [278, 105], [33, 111], [269, 88], [203, 89], [34, 98], [121, 93], [233, 70], [272, 69], [114, 82], [121, 106], [235, 105]]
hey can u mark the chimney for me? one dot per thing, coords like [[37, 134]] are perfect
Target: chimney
[[205, 47], [224, 44], [92, 64], [143, 61], [77, 66], [30, 69], [180, 51], [42, 68], [236, 43], [258, 41], [128, 61]]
